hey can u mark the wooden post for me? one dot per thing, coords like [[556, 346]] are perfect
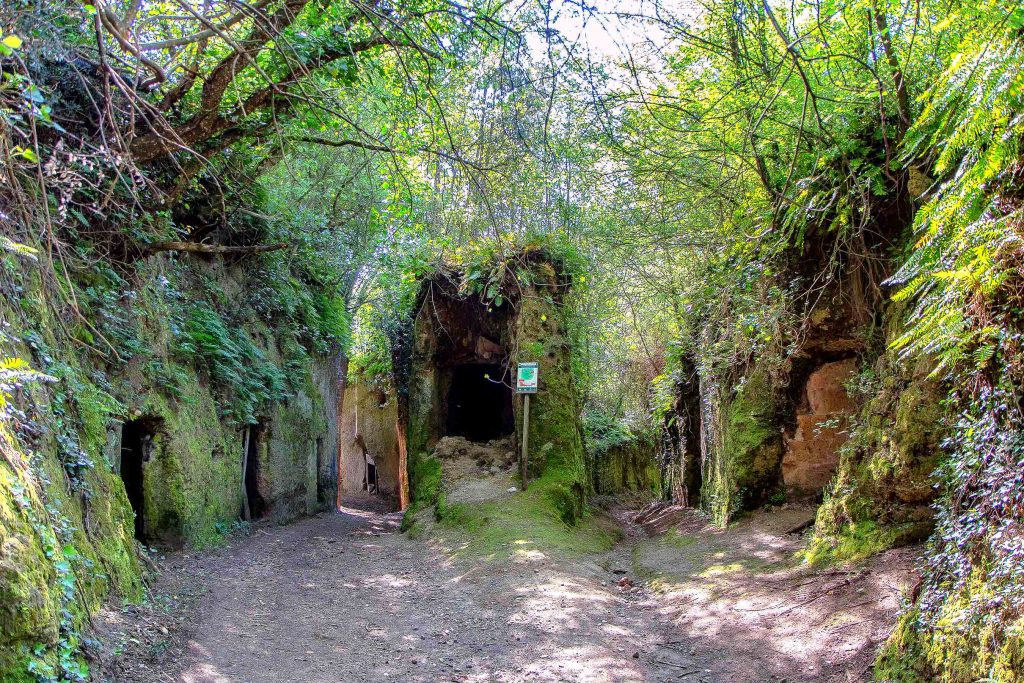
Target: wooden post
[[524, 456]]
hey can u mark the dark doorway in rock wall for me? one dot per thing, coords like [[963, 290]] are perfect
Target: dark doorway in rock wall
[[325, 492], [136, 447], [257, 505], [479, 403]]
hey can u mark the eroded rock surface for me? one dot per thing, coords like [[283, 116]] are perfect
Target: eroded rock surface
[[812, 453]]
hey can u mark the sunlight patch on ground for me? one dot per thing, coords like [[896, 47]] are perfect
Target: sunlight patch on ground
[[741, 586], [206, 673], [387, 581], [522, 556], [716, 569]]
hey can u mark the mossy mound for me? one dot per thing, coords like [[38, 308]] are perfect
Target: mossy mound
[[543, 519]]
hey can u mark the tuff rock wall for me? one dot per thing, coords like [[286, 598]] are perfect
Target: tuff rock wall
[[67, 536]]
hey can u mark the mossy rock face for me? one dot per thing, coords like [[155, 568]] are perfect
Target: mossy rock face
[[192, 481], [291, 455], [885, 483], [630, 467], [422, 395], [743, 464], [424, 484], [569, 499], [556, 430], [753, 440], [106, 536], [66, 530], [28, 604], [955, 646]]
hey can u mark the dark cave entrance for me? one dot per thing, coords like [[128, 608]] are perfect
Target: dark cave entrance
[[256, 504], [479, 403], [136, 447]]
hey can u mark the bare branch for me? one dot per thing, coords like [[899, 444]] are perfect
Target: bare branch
[[199, 248], [342, 143], [208, 33]]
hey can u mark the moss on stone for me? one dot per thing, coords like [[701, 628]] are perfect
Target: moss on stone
[[28, 605], [422, 389], [65, 545], [290, 457], [627, 467], [883, 486], [854, 541], [424, 486], [193, 479], [556, 434], [745, 468], [957, 646]]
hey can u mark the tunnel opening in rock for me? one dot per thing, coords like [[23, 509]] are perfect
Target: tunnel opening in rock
[[136, 448], [256, 504], [460, 384], [479, 403], [451, 416]]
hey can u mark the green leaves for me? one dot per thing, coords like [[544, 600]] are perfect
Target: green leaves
[[967, 227], [1016, 18], [26, 153], [240, 370]]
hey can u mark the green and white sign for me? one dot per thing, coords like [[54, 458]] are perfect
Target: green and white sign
[[526, 378]]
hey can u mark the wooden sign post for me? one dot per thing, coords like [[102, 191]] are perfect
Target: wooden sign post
[[526, 384]]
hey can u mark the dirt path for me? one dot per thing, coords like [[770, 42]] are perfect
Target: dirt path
[[345, 598]]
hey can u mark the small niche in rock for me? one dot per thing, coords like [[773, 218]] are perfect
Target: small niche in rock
[[136, 450], [822, 420], [479, 403], [256, 504]]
